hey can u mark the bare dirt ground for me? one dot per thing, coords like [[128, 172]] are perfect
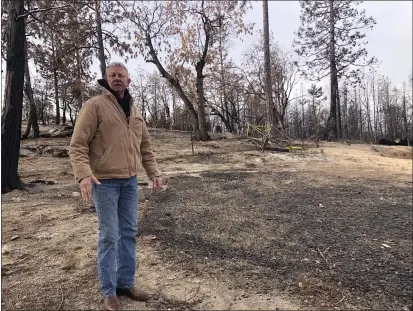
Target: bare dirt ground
[[236, 229]]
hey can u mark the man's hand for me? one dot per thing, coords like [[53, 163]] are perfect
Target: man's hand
[[158, 184], [86, 187]]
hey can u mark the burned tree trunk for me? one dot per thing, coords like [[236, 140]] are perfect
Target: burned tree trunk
[[55, 79], [64, 111], [267, 65], [332, 118], [199, 67], [201, 101], [44, 105], [32, 122], [100, 39], [13, 99], [338, 115]]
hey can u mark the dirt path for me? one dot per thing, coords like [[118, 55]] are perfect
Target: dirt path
[[236, 229]]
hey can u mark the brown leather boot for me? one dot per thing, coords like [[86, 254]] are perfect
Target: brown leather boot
[[112, 303], [133, 293]]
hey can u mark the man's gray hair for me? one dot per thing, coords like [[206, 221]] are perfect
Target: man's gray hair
[[117, 64]]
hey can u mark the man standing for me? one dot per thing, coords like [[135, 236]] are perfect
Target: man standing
[[110, 141]]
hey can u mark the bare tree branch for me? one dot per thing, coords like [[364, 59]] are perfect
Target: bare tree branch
[[42, 10]]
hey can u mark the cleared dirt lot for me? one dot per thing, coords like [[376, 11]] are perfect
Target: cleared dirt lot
[[235, 229]]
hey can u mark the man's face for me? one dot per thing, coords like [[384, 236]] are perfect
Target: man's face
[[118, 79]]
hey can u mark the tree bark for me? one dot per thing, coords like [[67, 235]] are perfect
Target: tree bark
[[155, 101], [44, 105], [345, 117], [374, 110], [361, 120], [32, 122], [201, 101], [303, 124], [64, 111], [56, 96], [166, 107], [42, 114], [13, 99], [199, 67], [173, 123], [339, 126], [379, 109], [56, 85], [223, 95], [332, 118], [267, 65], [101, 57], [369, 122], [405, 128]]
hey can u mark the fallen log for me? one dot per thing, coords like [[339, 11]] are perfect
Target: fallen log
[[265, 145]]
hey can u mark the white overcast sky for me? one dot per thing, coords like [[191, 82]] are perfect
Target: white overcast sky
[[390, 40]]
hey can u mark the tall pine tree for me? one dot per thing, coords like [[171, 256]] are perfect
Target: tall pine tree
[[331, 42]]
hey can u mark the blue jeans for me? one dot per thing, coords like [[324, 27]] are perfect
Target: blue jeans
[[116, 202]]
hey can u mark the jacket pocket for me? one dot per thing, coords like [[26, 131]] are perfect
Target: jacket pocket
[[101, 158], [96, 151]]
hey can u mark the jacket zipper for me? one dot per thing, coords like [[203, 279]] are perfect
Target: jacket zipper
[[128, 127], [130, 139]]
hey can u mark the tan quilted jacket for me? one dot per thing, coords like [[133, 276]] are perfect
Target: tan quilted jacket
[[108, 145]]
